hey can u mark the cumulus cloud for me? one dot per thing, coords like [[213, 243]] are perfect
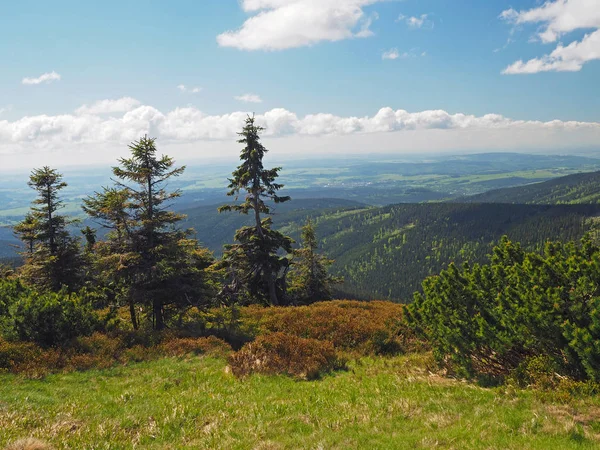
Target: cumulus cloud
[[249, 98], [422, 21], [284, 24], [558, 18], [123, 104], [187, 125], [193, 90], [47, 77]]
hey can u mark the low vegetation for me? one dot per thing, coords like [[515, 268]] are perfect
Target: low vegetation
[[194, 402], [280, 353]]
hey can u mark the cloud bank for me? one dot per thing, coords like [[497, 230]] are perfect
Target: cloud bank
[[126, 119], [284, 24], [559, 18]]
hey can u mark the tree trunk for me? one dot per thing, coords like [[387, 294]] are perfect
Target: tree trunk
[[159, 319], [267, 272], [134, 321], [50, 224]]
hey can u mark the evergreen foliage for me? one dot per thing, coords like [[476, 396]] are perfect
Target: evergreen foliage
[[310, 280], [255, 264], [146, 260], [53, 318], [493, 318], [52, 256]]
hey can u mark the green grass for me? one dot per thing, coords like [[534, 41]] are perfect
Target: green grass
[[195, 403]]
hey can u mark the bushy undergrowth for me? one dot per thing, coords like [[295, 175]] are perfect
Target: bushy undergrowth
[[362, 327], [534, 317], [306, 341], [100, 351], [280, 353], [46, 318], [53, 318]]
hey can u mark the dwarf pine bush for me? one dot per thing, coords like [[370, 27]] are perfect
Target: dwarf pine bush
[[490, 319]]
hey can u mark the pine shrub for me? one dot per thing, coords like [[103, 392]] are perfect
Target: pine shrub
[[504, 316]]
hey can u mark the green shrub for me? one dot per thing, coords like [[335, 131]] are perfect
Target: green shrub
[[505, 316], [53, 318], [280, 353], [538, 372]]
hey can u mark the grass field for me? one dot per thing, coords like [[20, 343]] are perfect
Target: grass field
[[378, 403]]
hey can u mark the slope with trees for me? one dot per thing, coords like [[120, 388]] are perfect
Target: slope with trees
[[571, 189]]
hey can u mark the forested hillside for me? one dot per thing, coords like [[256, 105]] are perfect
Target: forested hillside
[[571, 189], [214, 230], [387, 252]]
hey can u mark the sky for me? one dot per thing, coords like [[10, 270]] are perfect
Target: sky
[[81, 80]]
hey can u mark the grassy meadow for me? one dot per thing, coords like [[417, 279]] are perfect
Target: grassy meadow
[[379, 402]]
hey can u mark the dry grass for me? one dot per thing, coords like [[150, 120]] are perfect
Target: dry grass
[[28, 444]]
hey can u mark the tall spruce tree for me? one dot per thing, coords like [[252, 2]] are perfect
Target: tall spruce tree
[[53, 257], [146, 259], [258, 261], [310, 280]]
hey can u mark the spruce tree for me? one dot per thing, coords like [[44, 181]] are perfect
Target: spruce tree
[[310, 279], [53, 256], [146, 259], [259, 259]]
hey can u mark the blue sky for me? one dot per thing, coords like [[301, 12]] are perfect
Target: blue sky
[[302, 57]]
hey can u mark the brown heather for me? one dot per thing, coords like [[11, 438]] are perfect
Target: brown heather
[[101, 351], [364, 327], [280, 353]]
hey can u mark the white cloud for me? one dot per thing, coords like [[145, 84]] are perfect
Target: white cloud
[[193, 90], [123, 104], [190, 124], [393, 53], [559, 17], [47, 77], [249, 98], [422, 21], [563, 59], [283, 24], [189, 132]]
